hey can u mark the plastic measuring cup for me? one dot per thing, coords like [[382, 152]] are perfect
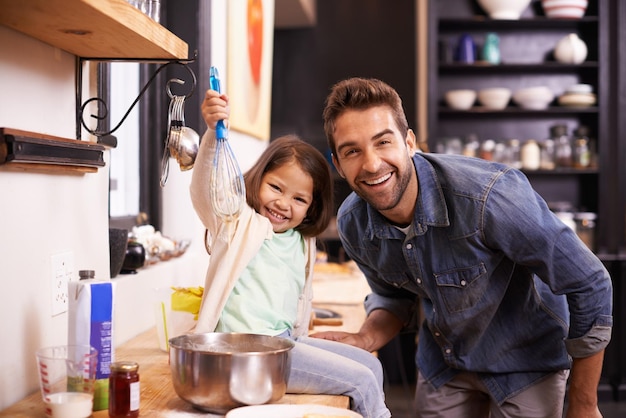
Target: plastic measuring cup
[[67, 378]]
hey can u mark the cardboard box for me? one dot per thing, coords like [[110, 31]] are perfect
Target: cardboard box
[[91, 308]]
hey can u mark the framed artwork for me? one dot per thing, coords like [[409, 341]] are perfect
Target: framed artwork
[[249, 67]]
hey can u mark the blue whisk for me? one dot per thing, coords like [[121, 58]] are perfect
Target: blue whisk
[[227, 187]]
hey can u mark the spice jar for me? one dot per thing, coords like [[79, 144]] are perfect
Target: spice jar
[[531, 155], [582, 151], [124, 391], [563, 146], [547, 155]]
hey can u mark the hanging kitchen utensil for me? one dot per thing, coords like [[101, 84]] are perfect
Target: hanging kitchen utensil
[[227, 187], [182, 141]]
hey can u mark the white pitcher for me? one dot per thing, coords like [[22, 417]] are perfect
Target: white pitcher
[[570, 50]]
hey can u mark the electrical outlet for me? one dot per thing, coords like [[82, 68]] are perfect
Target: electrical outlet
[[62, 266]]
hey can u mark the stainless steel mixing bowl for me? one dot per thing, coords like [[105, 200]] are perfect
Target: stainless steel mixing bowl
[[216, 372]]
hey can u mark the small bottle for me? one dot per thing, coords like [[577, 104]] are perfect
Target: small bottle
[[582, 151], [491, 49], [585, 228], [486, 149], [514, 153], [563, 146], [547, 155], [471, 147], [531, 155], [124, 393]]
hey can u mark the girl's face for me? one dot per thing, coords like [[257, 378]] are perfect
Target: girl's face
[[285, 196]]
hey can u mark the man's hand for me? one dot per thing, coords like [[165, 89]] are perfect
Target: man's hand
[[342, 337], [377, 330]]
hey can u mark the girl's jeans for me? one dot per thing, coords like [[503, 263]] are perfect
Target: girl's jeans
[[334, 368]]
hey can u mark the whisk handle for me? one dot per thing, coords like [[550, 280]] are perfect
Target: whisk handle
[[214, 79]]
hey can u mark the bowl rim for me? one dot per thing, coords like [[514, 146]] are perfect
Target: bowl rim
[[179, 342]]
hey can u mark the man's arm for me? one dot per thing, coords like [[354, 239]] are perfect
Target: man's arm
[[583, 387], [377, 330]]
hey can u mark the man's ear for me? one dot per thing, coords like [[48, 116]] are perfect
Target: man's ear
[[337, 166], [411, 142]]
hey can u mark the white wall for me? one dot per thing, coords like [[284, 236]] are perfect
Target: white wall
[[45, 214]]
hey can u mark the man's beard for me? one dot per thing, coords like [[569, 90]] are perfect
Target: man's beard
[[403, 180]]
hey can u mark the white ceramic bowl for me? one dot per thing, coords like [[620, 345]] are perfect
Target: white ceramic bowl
[[494, 98], [504, 9], [577, 99], [533, 98], [580, 88], [462, 99], [564, 9]]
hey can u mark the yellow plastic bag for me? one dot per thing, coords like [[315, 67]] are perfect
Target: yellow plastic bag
[[187, 299]]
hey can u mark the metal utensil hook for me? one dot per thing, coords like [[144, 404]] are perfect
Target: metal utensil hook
[[178, 81], [103, 108]]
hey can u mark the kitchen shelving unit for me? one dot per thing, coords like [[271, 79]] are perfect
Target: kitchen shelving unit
[[526, 49]]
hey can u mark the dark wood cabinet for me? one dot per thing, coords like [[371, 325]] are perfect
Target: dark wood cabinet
[[526, 47]]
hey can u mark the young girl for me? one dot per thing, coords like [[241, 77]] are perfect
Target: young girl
[[259, 279]]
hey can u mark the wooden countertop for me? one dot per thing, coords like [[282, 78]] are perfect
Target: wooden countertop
[[158, 398], [342, 291]]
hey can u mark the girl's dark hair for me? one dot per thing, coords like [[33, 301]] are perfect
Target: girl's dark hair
[[287, 149], [361, 94]]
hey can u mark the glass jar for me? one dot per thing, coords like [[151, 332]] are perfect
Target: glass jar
[[547, 155], [124, 393], [582, 150], [514, 153], [562, 146], [486, 149], [586, 228], [531, 155]]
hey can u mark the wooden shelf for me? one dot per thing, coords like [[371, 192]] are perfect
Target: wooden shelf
[[93, 28], [550, 112], [31, 151], [539, 22], [514, 68]]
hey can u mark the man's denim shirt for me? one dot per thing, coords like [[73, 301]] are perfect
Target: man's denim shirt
[[495, 270]]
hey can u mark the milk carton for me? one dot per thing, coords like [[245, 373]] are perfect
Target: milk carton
[[91, 322]]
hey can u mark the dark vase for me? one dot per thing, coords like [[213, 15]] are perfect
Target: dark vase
[[135, 257], [118, 240]]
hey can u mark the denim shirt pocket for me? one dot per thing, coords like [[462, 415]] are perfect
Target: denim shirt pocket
[[461, 288]]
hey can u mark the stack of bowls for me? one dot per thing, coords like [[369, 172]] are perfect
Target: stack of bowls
[[461, 99], [578, 95], [564, 9], [496, 98], [533, 98]]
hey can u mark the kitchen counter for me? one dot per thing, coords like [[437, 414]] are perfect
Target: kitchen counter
[[337, 287], [158, 398]]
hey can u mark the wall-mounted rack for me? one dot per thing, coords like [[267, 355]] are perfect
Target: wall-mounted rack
[[35, 151], [88, 29], [104, 135]]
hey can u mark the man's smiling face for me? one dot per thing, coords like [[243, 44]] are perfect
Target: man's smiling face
[[375, 159]]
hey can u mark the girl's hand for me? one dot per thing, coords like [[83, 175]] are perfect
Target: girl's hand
[[215, 108]]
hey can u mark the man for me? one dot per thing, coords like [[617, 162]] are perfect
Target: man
[[513, 302]]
